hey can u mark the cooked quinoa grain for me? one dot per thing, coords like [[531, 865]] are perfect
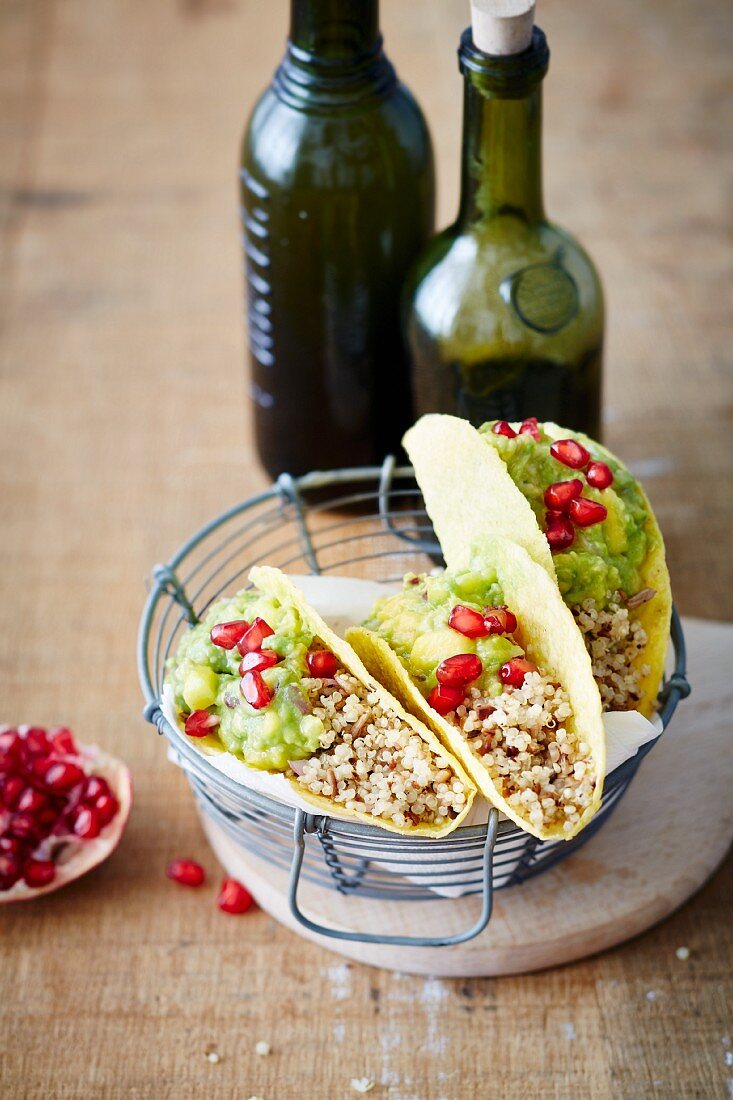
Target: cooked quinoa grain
[[373, 762], [614, 641], [538, 765]]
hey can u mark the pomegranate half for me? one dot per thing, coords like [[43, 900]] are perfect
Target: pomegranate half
[[63, 809]]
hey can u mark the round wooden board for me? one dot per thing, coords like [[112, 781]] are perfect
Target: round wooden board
[[664, 840]]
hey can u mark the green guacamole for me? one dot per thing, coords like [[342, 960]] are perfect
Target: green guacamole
[[204, 676], [603, 558], [414, 623]]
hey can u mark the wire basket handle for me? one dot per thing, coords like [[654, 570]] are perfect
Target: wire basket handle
[[308, 823]]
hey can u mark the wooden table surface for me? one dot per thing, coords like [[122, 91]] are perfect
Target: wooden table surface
[[124, 426]]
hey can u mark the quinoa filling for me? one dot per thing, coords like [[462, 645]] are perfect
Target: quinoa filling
[[542, 769], [372, 762], [614, 641]]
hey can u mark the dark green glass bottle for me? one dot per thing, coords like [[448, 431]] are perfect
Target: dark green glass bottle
[[337, 200], [504, 311]]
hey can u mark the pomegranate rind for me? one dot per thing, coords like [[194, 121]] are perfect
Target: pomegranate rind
[[474, 498], [80, 856], [549, 636], [275, 583]]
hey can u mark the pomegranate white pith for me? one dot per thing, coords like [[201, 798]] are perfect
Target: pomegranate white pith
[[63, 809]]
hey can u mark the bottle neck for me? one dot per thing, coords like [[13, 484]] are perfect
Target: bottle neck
[[501, 172], [334, 55], [335, 30]]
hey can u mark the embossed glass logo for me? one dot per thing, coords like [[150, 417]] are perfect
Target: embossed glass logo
[[544, 296]]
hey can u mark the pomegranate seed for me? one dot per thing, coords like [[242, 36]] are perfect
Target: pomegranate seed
[[12, 845], [233, 897], [468, 622], [185, 871], [60, 776], [10, 870], [255, 690], [530, 427], [585, 513], [36, 741], [559, 532], [559, 495], [321, 663], [514, 671], [32, 801], [12, 789], [503, 427], [39, 872], [599, 475], [46, 818], [445, 699], [500, 620], [106, 806], [459, 670], [201, 723], [227, 635], [11, 744], [23, 826], [255, 636], [93, 788], [63, 741], [86, 823], [570, 453], [258, 660]]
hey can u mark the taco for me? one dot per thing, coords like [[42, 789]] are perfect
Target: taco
[[488, 655], [579, 512], [263, 677]]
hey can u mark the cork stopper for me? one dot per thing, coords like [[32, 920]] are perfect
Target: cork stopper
[[502, 27]]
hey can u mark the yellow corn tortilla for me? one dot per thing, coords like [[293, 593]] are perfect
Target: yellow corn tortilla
[[470, 495], [550, 637], [275, 583]]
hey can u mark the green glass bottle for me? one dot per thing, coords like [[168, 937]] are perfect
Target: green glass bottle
[[504, 311], [337, 191]]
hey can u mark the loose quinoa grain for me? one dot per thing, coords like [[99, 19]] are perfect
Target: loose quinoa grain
[[373, 762], [614, 641], [538, 765]]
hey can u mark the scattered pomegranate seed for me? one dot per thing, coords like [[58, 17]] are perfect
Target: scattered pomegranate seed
[[106, 806], [585, 513], [445, 699], [185, 871], [32, 801], [514, 671], [255, 636], [258, 660], [254, 689], [530, 426], [200, 723], [12, 788], [39, 872], [468, 622], [570, 453], [559, 495], [10, 870], [36, 742], [63, 741], [321, 663], [227, 635], [599, 475], [233, 897], [559, 532], [60, 776], [500, 620], [503, 427], [459, 670], [86, 823]]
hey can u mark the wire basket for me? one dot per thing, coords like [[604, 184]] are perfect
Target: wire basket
[[370, 523]]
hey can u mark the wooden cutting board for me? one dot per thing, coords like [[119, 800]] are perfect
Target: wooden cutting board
[[665, 839]]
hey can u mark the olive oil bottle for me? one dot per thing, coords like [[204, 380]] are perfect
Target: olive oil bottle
[[337, 192], [504, 311]]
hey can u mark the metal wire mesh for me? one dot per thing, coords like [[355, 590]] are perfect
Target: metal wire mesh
[[368, 523]]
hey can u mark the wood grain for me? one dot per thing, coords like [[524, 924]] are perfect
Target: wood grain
[[123, 426]]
